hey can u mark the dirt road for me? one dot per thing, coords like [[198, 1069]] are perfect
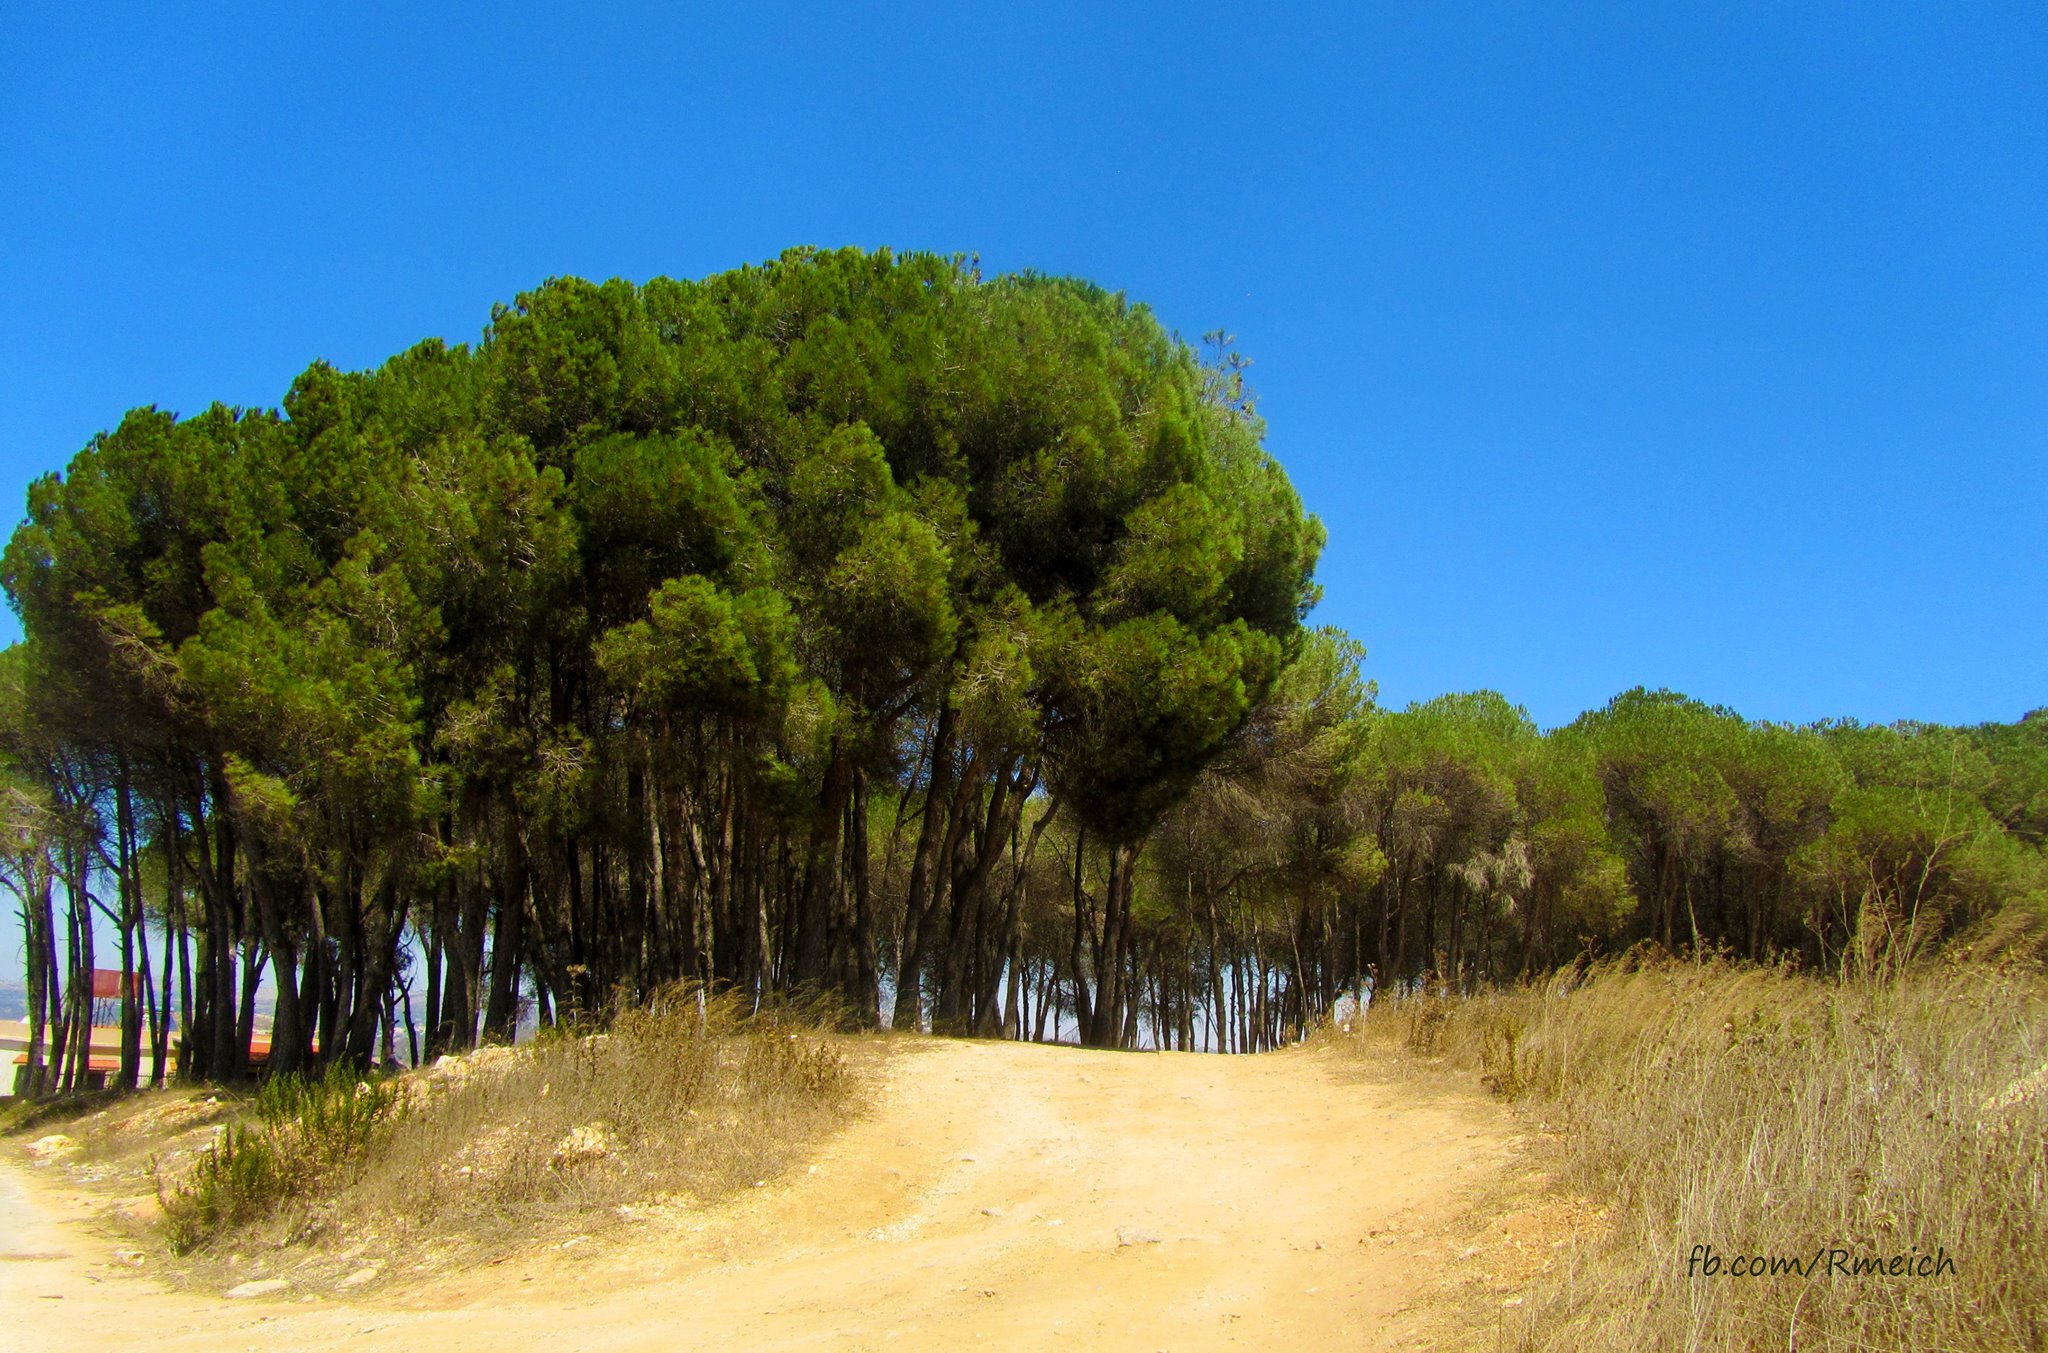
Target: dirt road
[[997, 1195]]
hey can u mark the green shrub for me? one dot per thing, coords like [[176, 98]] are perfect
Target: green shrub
[[306, 1138]]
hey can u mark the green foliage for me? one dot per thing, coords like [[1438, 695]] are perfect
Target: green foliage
[[589, 651], [235, 1181], [306, 1138]]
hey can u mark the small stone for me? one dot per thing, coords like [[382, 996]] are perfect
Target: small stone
[[589, 1142], [1130, 1235], [359, 1277], [256, 1287], [56, 1144]]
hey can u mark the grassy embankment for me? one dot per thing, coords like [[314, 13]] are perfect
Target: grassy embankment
[[499, 1149], [1764, 1112]]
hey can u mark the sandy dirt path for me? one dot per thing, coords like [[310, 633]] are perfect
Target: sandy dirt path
[[997, 1195]]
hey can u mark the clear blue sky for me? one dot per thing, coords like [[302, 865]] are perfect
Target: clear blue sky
[[1614, 345]]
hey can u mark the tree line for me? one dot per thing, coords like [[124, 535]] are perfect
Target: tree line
[[854, 626]]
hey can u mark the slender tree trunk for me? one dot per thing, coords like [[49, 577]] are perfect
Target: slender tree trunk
[[810, 942], [924, 869], [864, 993], [1084, 928], [507, 943], [1109, 1029], [39, 927], [129, 888]]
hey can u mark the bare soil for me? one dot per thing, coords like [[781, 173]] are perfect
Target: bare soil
[[1001, 1195]]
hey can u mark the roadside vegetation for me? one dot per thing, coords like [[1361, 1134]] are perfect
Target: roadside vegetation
[[856, 628], [1766, 1112], [303, 1138], [679, 1102], [854, 624]]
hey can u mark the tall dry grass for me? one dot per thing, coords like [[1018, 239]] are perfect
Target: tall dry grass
[[1764, 1112], [687, 1099], [684, 1099]]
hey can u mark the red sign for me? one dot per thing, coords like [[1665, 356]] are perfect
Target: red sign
[[107, 982]]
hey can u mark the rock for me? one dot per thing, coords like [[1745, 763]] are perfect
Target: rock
[[492, 1055], [132, 1258], [358, 1278], [46, 1148], [141, 1211], [1131, 1235], [178, 1116], [256, 1287], [587, 1143], [2018, 1093]]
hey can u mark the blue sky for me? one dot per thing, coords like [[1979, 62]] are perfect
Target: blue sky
[[1615, 345]]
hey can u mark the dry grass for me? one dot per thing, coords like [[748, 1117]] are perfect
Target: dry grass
[[308, 1139], [684, 1101], [1763, 1112]]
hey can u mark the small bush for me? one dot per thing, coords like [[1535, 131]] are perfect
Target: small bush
[[237, 1181], [689, 1095], [306, 1136], [1503, 1071]]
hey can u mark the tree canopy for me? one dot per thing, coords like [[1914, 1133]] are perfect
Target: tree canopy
[[851, 625]]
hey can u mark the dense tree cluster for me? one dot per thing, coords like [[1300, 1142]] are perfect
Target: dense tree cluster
[[590, 656], [856, 626], [1335, 845]]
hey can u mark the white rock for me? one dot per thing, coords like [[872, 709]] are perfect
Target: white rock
[[256, 1287], [2019, 1092], [589, 1142]]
